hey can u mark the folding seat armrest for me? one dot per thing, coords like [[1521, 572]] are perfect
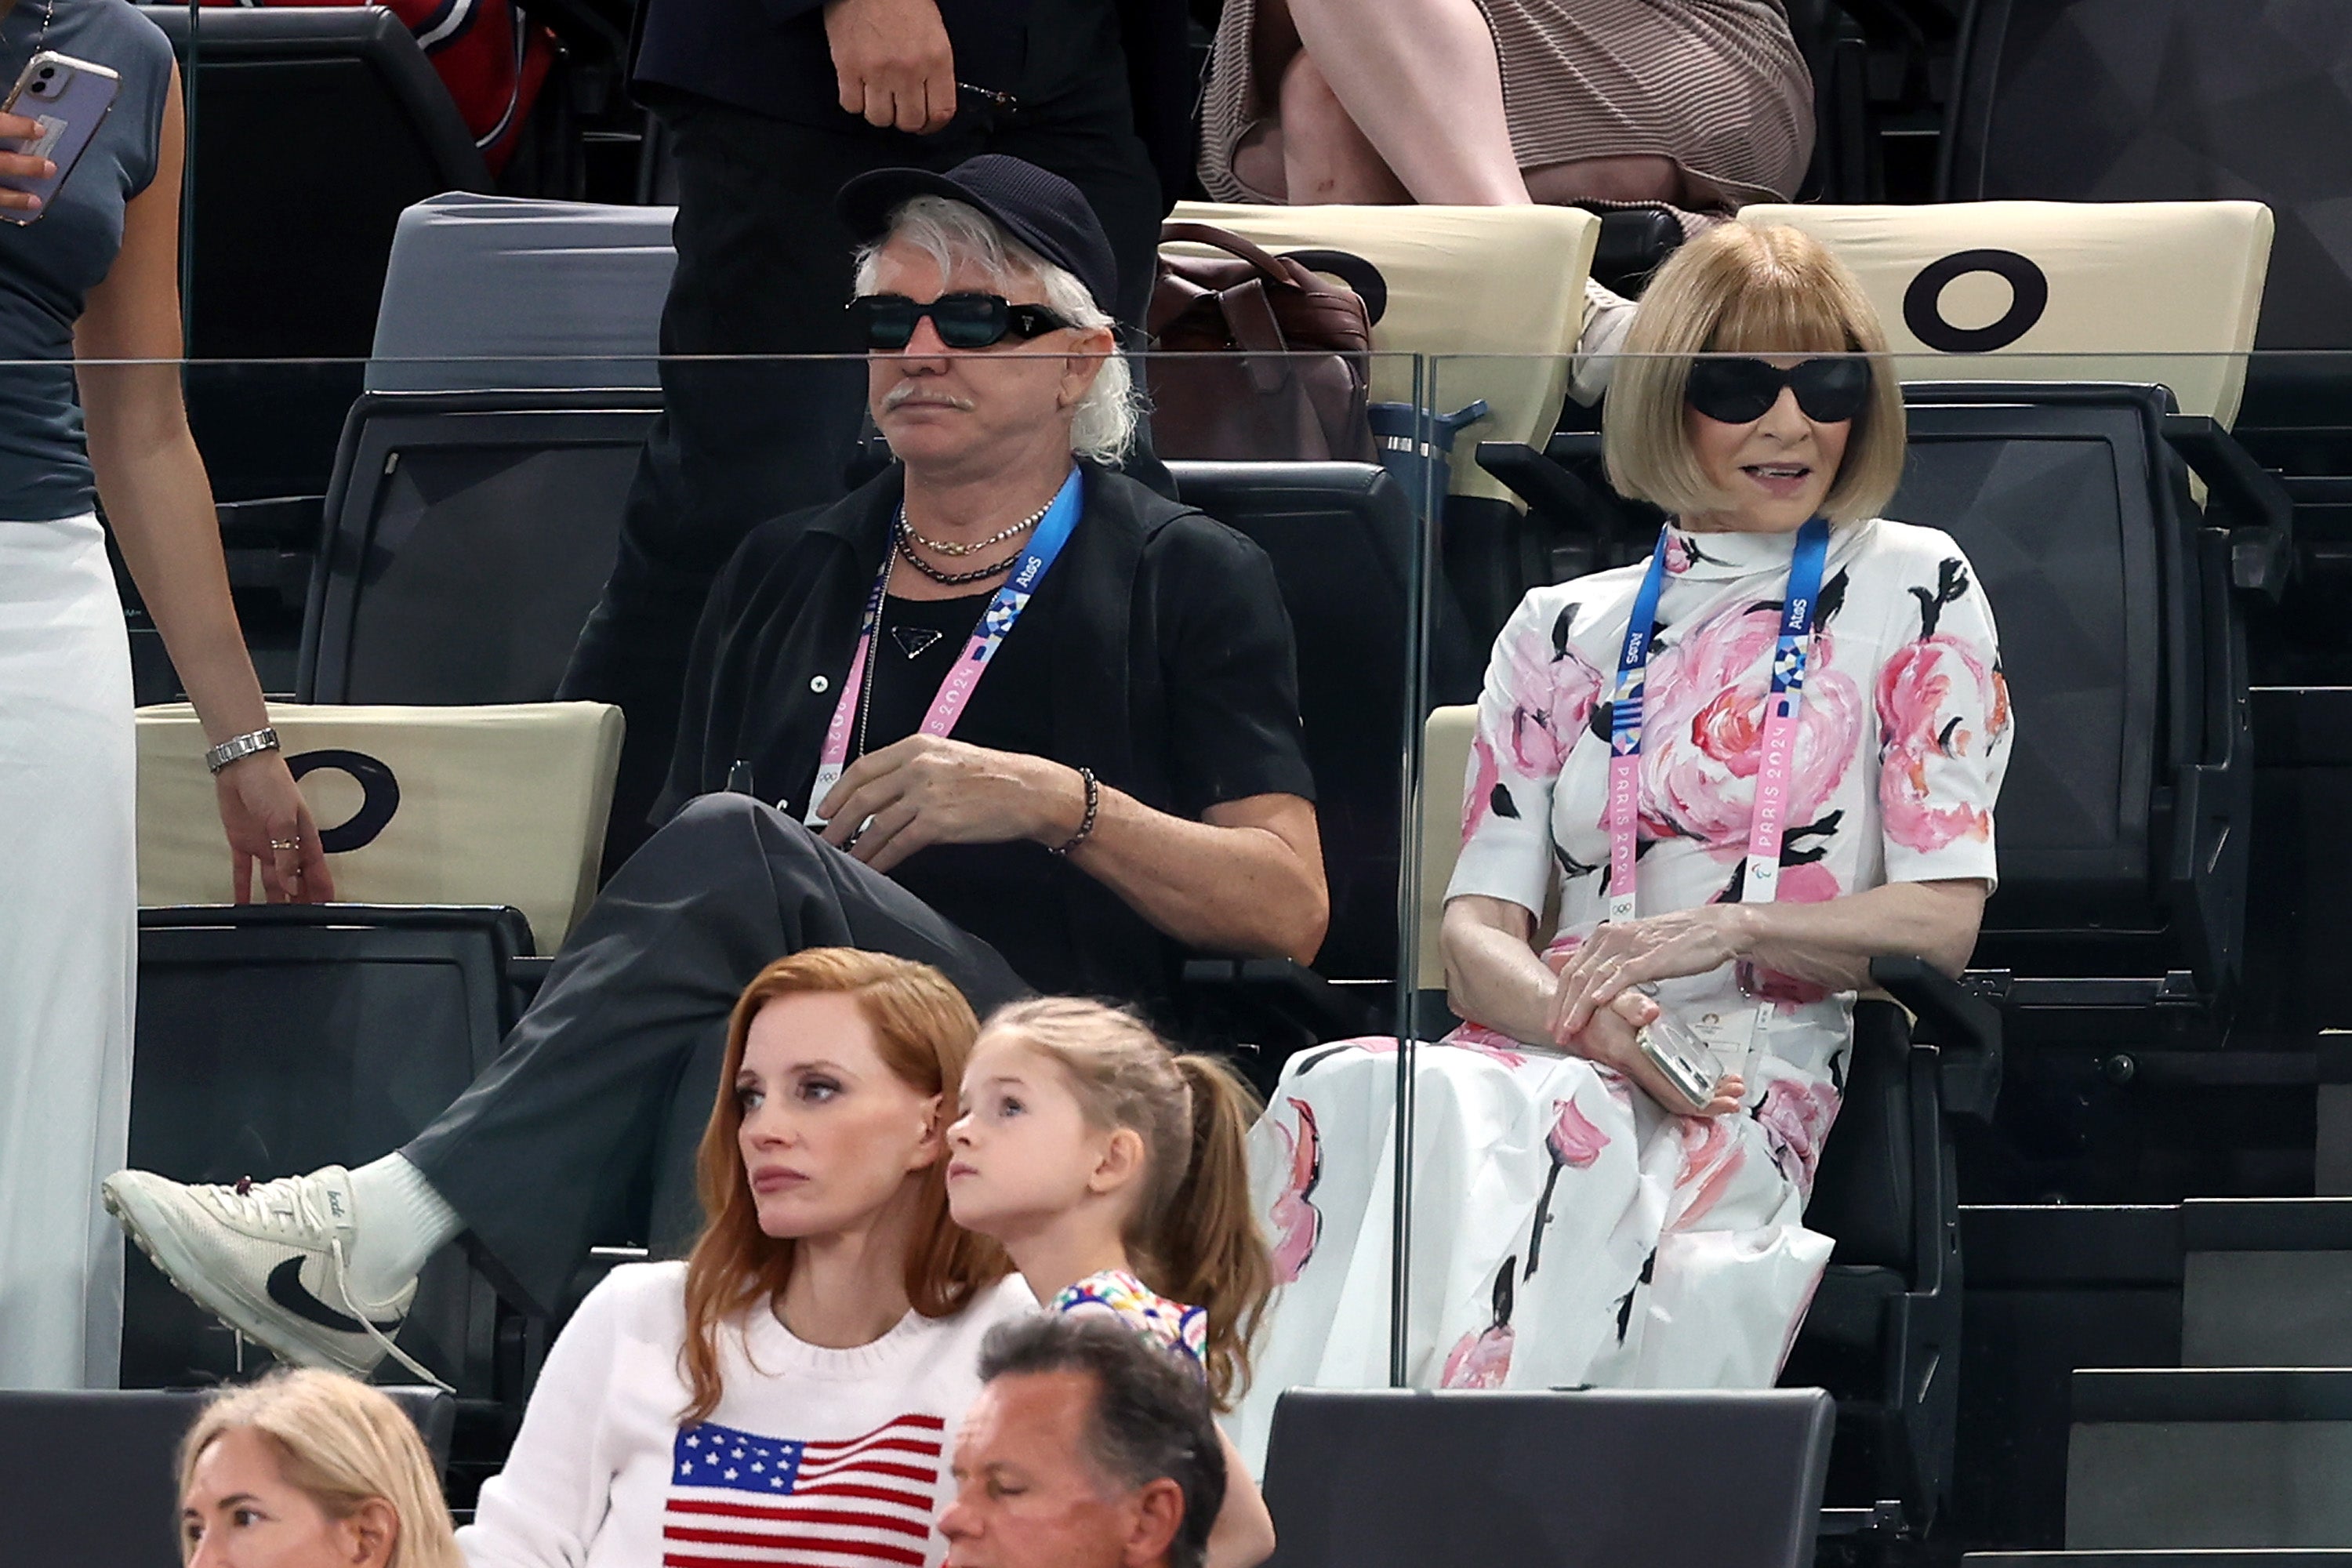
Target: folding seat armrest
[[2257, 508], [1963, 1027]]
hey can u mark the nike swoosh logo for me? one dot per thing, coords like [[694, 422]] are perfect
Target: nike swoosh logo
[[286, 1289]]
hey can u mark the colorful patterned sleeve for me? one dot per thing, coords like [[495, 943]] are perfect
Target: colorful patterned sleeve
[[1124, 1298], [1944, 726], [1537, 700]]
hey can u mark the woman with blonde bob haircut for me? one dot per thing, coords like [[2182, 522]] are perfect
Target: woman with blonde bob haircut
[[1746, 290], [1743, 768], [827, 1322], [310, 1469]]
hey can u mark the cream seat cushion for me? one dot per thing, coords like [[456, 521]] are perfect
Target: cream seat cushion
[[1505, 282], [2138, 291], [487, 805]]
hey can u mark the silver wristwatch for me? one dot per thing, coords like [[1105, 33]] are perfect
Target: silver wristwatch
[[237, 748]]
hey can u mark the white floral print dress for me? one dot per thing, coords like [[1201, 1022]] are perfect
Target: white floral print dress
[[1566, 1230]]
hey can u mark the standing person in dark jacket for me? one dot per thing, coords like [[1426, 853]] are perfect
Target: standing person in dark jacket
[[771, 106]]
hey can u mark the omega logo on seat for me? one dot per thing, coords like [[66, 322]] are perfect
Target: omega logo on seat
[[1922, 302], [379, 796]]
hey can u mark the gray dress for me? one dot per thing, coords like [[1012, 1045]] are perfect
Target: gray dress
[[1715, 86]]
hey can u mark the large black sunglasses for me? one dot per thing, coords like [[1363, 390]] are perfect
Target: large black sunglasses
[[963, 321], [1740, 390]]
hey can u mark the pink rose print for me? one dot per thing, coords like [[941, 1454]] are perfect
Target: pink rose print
[[1486, 792], [1483, 1360], [1925, 695], [1711, 1159], [1574, 1143], [1298, 1223], [1552, 691], [1796, 1118], [1702, 740]]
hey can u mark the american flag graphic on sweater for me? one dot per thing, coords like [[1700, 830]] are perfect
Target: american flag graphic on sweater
[[740, 1497]]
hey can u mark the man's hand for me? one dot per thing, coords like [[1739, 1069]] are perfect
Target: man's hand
[[927, 790], [15, 129], [893, 63]]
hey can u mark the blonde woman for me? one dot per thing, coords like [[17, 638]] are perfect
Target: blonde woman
[[310, 1469], [1579, 1219]]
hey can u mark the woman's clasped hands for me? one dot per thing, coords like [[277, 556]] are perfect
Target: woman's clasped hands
[[1598, 1008]]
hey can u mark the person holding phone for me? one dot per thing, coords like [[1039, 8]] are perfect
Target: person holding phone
[[88, 280], [1744, 767]]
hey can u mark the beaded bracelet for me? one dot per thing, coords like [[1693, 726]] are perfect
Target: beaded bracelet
[[1087, 823]]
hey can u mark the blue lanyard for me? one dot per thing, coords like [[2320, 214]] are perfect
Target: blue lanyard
[[1788, 654]]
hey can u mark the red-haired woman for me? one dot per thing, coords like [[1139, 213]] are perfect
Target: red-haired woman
[[793, 1383]]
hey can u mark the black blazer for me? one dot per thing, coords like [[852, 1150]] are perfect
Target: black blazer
[[1147, 594], [770, 56]]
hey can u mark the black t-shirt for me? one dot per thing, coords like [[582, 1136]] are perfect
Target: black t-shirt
[[1005, 890], [1156, 652]]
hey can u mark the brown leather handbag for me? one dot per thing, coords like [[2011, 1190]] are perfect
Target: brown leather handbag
[[1256, 357]]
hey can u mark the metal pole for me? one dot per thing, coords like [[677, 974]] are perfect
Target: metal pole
[[1418, 607]]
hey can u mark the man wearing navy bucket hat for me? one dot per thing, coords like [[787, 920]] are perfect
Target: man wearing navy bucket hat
[[1001, 709], [768, 108]]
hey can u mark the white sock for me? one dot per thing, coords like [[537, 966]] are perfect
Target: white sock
[[398, 1222]]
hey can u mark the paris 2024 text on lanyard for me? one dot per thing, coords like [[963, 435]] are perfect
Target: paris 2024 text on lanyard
[[1761, 878], [964, 678]]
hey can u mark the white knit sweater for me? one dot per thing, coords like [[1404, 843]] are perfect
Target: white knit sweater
[[832, 1457]]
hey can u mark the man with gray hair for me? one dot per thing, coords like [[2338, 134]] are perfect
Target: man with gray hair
[[1002, 710], [1089, 1447]]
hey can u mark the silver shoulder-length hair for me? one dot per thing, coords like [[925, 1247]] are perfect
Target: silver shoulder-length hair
[[1103, 425]]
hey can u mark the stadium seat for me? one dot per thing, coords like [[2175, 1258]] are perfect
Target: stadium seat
[[1600, 1479], [488, 293], [1500, 288], [499, 805], [2070, 292], [314, 128], [2159, 100], [282, 1038], [2125, 813], [1883, 1333], [88, 1477], [469, 534], [1346, 551]]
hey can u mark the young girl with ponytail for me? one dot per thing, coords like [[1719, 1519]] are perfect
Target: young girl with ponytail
[[1115, 1173]]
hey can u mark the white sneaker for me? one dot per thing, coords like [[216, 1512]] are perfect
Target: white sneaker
[[270, 1259]]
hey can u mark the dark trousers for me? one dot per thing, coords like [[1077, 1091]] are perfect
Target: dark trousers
[[763, 268], [606, 1082]]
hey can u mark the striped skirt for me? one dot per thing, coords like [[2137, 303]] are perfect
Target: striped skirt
[[1716, 86]]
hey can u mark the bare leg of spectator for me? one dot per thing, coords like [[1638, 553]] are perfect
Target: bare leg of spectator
[[1419, 81]]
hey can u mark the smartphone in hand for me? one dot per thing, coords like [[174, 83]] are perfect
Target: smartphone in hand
[[68, 100]]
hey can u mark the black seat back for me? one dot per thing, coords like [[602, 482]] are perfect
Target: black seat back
[[2119, 657], [314, 126], [276, 1038], [1343, 540], [1864, 1187], [2169, 100], [1597, 1479], [87, 1476], [469, 536]]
